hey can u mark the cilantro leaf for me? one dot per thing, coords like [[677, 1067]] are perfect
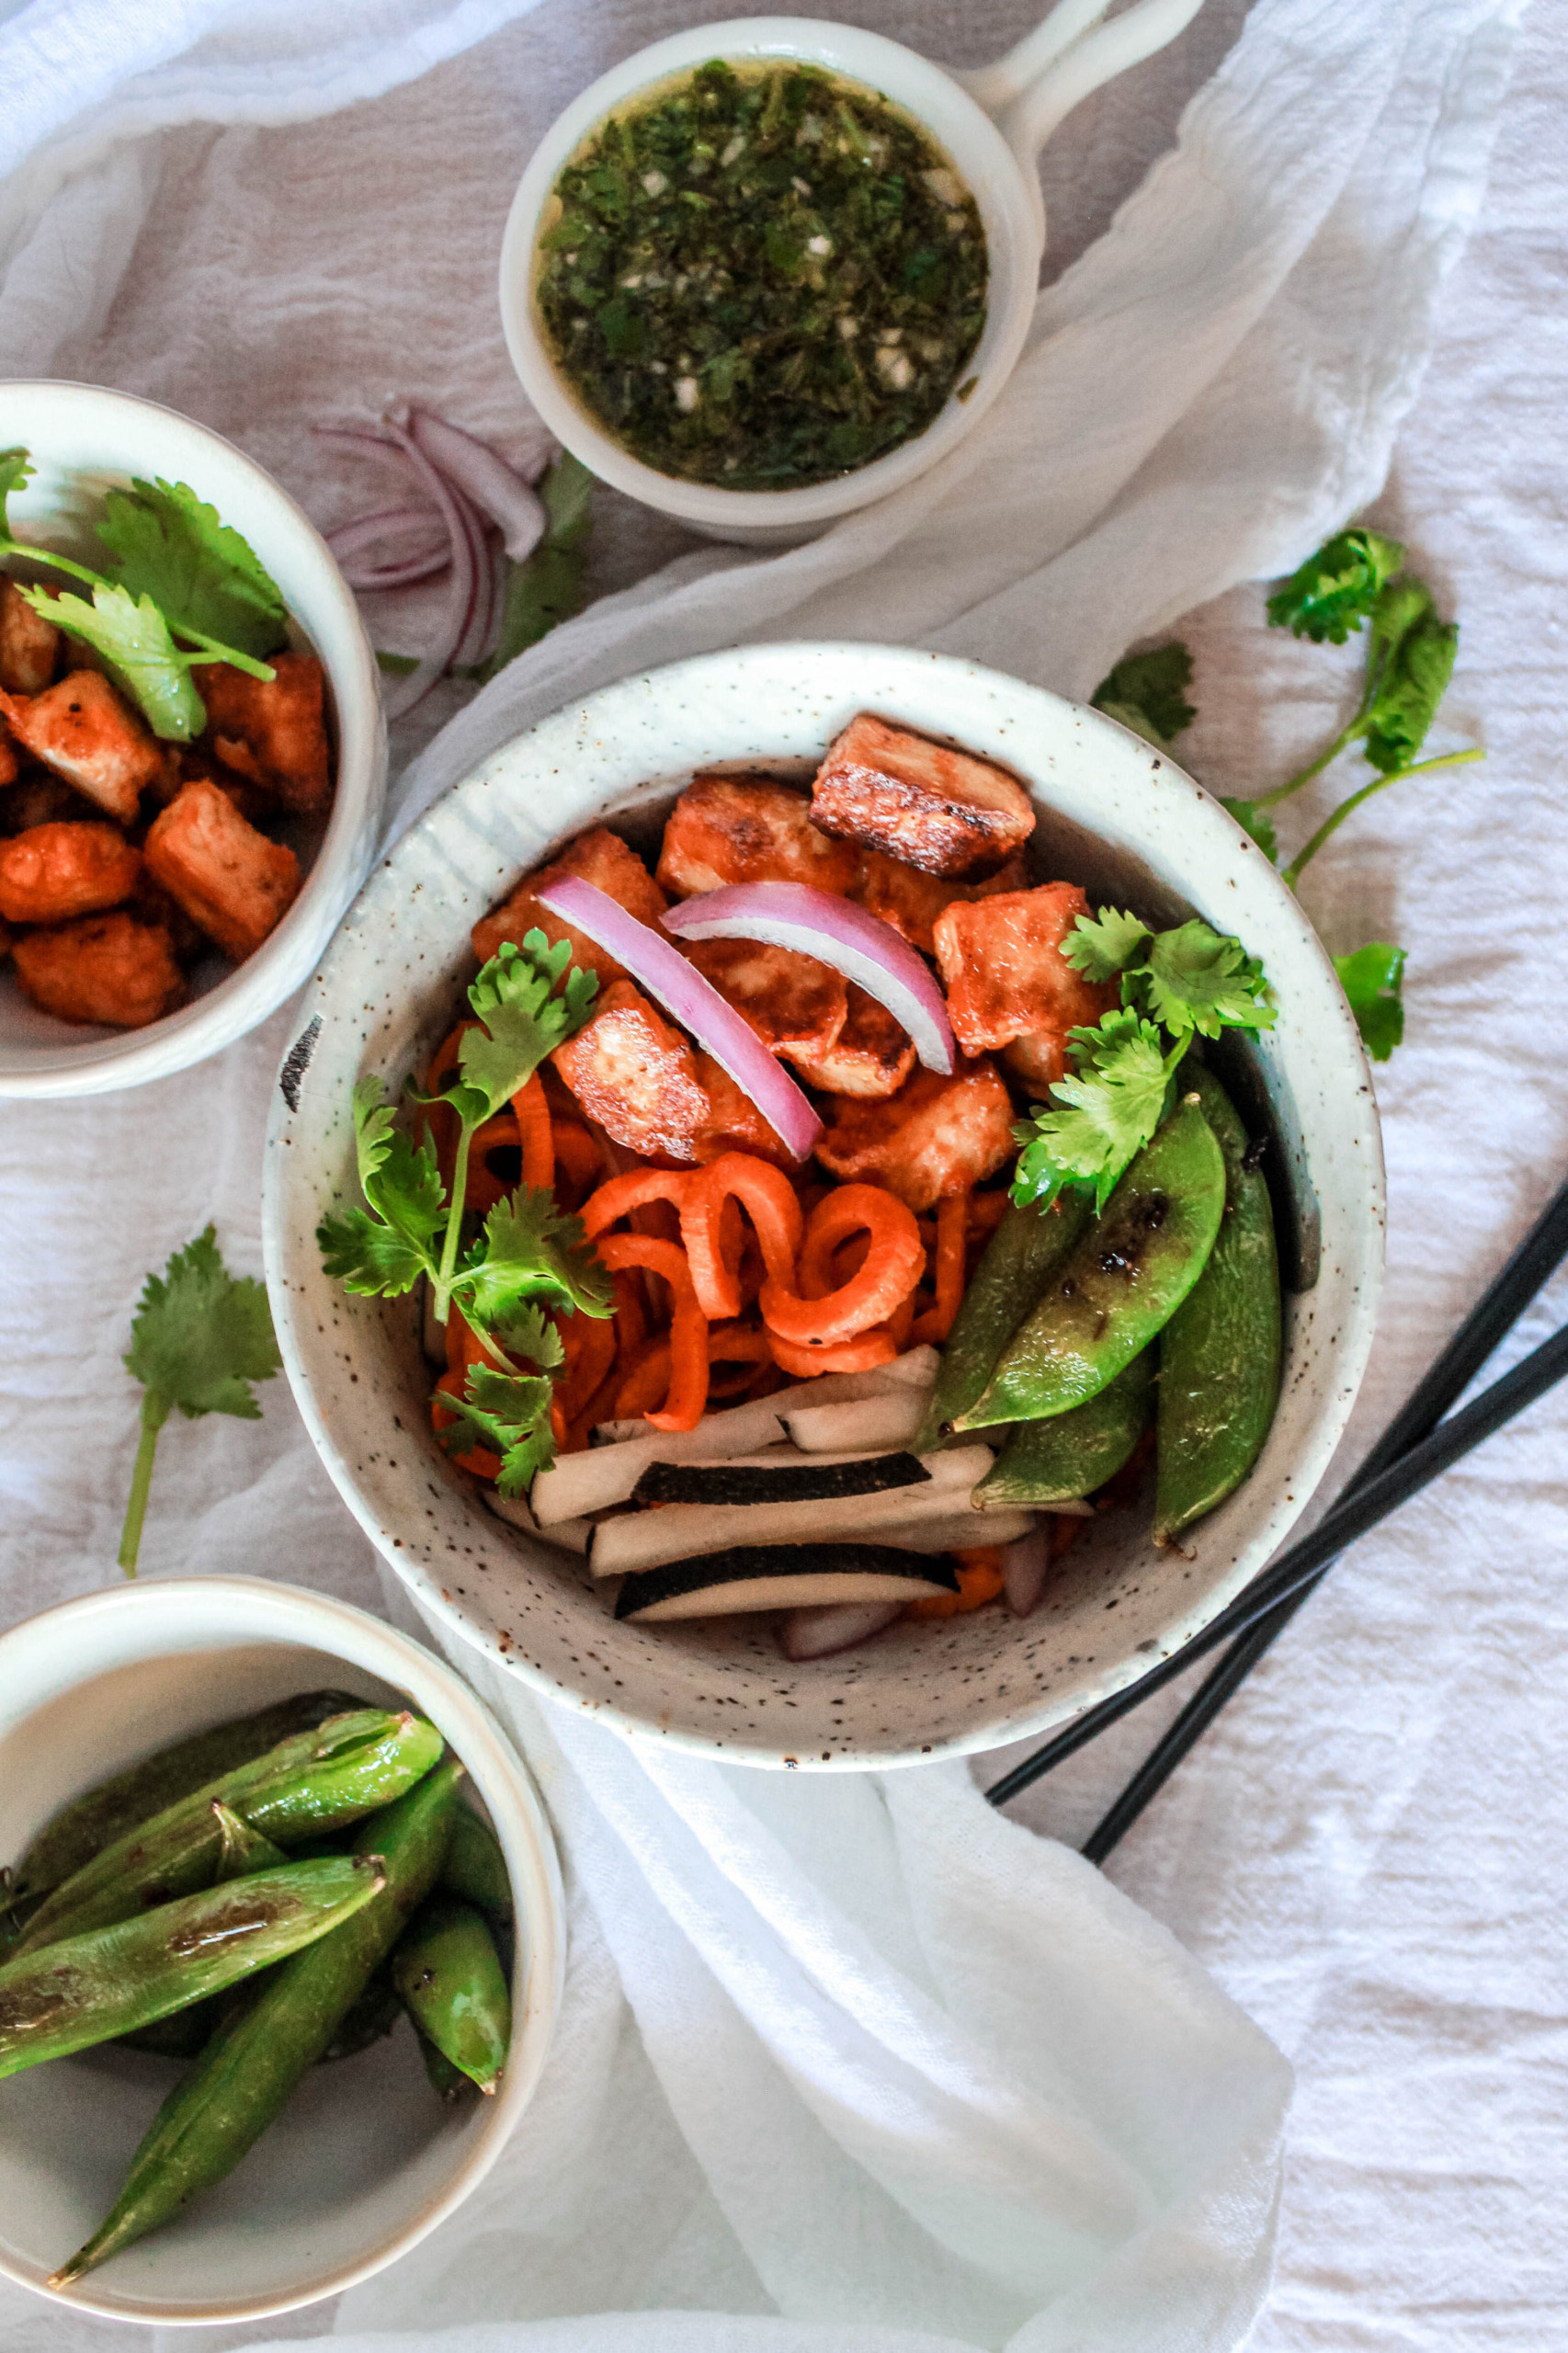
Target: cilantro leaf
[[510, 1413], [1411, 684], [1254, 819], [208, 581], [1145, 692], [1101, 947], [523, 1020], [548, 587], [530, 1334], [1110, 1110], [199, 1338], [134, 638], [1196, 978], [16, 468], [381, 1253], [1371, 978], [1334, 591], [531, 1250]]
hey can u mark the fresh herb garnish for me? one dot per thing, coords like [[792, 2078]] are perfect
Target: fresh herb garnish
[[1146, 692], [181, 574], [1337, 586], [1192, 981], [1371, 978], [547, 588], [199, 1338], [528, 1258]]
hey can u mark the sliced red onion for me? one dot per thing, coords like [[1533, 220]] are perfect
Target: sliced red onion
[[349, 541], [483, 476], [855, 943], [834, 1626], [476, 633], [402, 696], [695, 1003], [1026, 1566]]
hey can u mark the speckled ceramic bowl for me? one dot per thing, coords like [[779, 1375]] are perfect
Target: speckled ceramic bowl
[[1115, 816]]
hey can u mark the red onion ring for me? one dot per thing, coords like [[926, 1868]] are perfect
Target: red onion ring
[[485, 479], [407, 692], [352, 539]]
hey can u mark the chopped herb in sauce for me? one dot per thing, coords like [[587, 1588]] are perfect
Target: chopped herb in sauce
[[763, 277]]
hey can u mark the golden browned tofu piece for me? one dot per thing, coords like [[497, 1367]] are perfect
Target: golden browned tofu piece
[[1007, 982], [634, 1073], [228, 877], [943, 811], [273, 732], [731, 1122], [910, 902], [871, 1055], [937, 1135], [52, 872], [101, 968], [748, 829], [30, 645], [794, 1003], [89, 736], [600, 857]]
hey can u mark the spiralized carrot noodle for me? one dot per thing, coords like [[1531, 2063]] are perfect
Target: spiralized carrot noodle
[[484, 1188], [576, 1156], [645, 1385], [630, 1317], [952, 1220], [532, 1115], [479, 1459], [873, 1348], [622, 1195], [768, 1199], [980, 1578], [682, 1409], [900, 1326], [893, 1266], [986, 1212], [558, 1426], [589, 1343]]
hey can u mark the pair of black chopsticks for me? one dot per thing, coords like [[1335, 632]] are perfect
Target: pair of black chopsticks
[[1418, 1445]]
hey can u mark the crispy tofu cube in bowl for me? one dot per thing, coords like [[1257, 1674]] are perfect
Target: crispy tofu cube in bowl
[[158, 900], [650, 764]]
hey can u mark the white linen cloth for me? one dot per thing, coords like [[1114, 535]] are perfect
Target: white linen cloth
[[857, 2064]]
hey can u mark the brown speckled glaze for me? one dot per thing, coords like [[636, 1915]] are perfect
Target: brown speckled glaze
[[1113, 815]]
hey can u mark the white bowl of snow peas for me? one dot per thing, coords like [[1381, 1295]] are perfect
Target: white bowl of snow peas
[[280, 1948]]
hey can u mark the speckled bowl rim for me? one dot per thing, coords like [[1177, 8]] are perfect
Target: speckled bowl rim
[[978, 1681]]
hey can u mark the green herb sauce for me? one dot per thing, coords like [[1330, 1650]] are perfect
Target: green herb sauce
[[763, 277]]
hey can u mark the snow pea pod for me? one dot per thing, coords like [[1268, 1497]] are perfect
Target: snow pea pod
[[1019, 1260], [1125, 1280], [449, 1975], [91, 1988], [314, 1781], [258, 2055], [100, 1815], [1070, 1455], [448, 2082], [182, 2034], [475, 1867], [1219, 1353]]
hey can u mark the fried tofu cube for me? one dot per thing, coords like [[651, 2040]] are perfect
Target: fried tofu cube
[[109, 968], [794, 1003], [634, 1073], [229, 879], [748, 829], [732, 1122], [910, 902], [1007, 982], [935, 1136], [89, 735], [52, 872], [871, 1055], [943, 811], [600, 857], [273, 732], [30, 645]]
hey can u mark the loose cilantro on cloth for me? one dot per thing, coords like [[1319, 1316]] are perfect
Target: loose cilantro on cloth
[[1337, 586], [1146, 692], [200, 1336], [1371, 978], [548, 587], [528, 1257], [181, 574]]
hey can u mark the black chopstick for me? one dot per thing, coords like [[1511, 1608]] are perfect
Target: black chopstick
[[1299, 1568], [1494, 1315]]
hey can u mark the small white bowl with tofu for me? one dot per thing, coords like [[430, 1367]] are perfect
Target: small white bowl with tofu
[[158, 899], [662, 790]]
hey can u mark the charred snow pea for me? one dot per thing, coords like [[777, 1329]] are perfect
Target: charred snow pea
[[1072, 1454], [183, 2032], [449, 1975], [95, 1820], [367, 2020], [88, 1989], [258, 2055], [1125, 1280], [1020, 1258], [475, 1867], [314, 1781], [1219, 1352], [448, 2082]]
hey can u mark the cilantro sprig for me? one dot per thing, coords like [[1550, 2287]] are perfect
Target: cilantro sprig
[[1190, 982], [1147, 693], [186, 588], [527, 1258], [199, 1338]]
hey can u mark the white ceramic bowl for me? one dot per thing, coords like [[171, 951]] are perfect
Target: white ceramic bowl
[[363, 2162], [1113, 815], [84, 440], [991, 123]]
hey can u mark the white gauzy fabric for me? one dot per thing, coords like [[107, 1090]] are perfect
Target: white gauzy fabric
[[848, 2063]]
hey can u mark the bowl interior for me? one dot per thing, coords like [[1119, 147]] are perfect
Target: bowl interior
[[1112, 814], [364, 2159], [84, 442]]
